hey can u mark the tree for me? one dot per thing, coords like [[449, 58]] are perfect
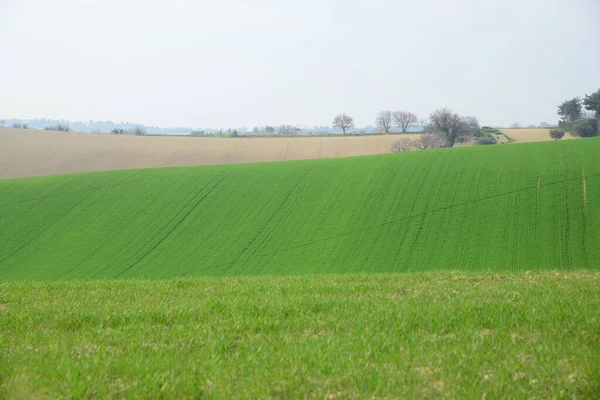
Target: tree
[[556, 134], [2, 123], [269, 130], [470, 127], [343, 122], [404, 120], [584, 127], [423, 123], [118, 131], [139, 130], [384, 121], [515, 125], [570, 110], [592, 103], [449, 125], [287, 130]]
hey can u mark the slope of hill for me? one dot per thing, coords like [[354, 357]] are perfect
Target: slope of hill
[[530, 207], [25, 153]]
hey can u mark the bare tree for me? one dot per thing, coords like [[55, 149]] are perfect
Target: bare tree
[[343, 122], [448, 124], [384, 121], [402, 145], [429, 141], [423, 123], [2, 123], [404, 120], [470, 127]]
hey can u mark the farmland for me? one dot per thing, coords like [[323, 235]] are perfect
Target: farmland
[[499, 208], [525, 135], [453, 273], [51, 153], [426, 335]]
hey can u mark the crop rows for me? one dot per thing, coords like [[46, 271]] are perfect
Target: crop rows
[[519, 207]]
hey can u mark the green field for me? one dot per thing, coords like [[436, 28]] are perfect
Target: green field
[[497, 208], [450, 273], [423, 335]]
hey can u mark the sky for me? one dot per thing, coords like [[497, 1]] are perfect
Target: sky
[[234, 63]]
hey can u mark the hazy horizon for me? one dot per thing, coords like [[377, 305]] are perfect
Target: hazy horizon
[[231, 63]]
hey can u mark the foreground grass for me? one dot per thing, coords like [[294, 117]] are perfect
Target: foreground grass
[[334, 336]]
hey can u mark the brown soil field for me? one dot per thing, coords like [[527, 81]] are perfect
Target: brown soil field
[[25, 153], [531, 135]]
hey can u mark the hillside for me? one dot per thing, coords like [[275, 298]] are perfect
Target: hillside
[[25, 153], [534, 206]]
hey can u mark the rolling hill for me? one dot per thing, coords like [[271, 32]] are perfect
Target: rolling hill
[[535, 206]]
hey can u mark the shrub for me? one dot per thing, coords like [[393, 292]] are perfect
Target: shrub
[[118, 131], [58, 127], [402, 145], [556, 134], [485, 140], [139, 130]]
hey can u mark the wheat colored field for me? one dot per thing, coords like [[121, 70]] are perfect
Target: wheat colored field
[[531, 135], [25, 153]]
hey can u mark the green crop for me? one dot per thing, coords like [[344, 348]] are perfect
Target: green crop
[[528, 207]]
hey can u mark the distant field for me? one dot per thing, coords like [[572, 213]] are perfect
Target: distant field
[[534, 206], [439, 335], [531, 135], [26, 153]]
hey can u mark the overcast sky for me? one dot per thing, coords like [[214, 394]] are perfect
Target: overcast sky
[[245, 63]]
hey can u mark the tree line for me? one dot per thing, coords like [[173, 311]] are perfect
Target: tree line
[[443, 128]]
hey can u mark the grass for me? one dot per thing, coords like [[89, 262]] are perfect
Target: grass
[[535, 206], [425, 335]]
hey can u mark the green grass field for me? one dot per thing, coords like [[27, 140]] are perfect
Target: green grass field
[[423, 335], [452, 273], [497, 208]]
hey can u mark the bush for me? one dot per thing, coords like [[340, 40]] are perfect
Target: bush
[[118, 131], [485, 140], [584, 127], [556, 134], [139, 130], [58, 127], [402, 145]]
